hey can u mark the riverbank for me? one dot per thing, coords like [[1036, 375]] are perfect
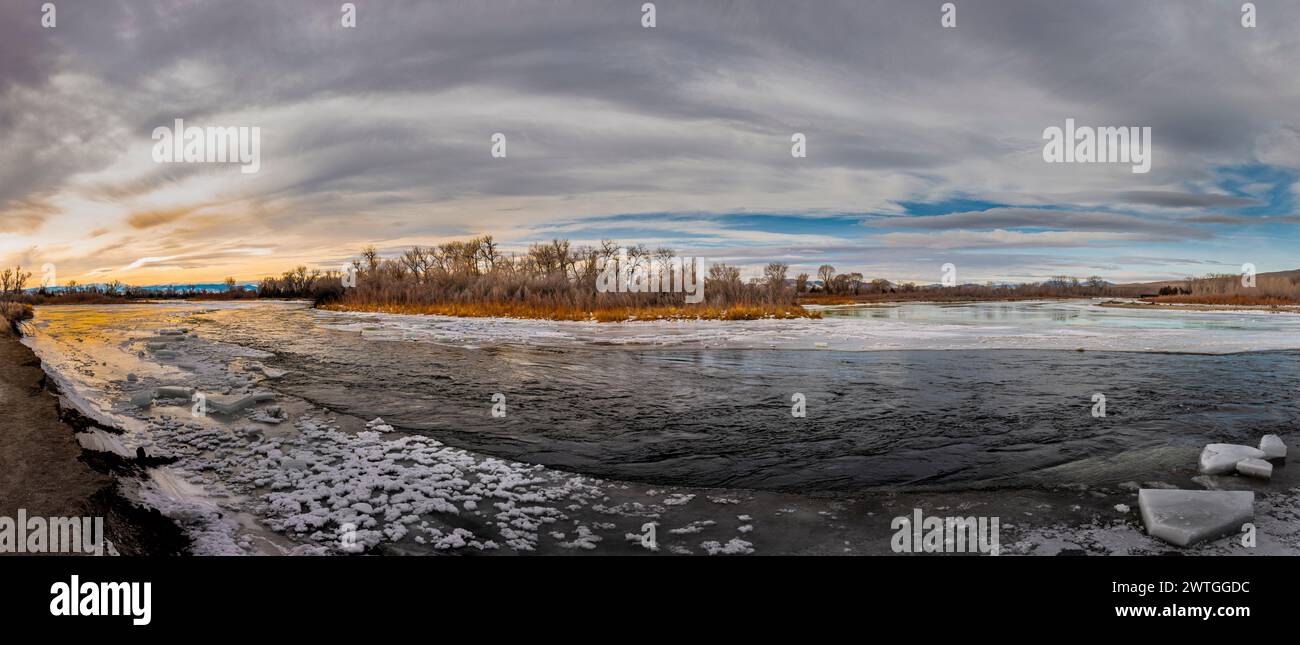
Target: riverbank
[[43, 469]]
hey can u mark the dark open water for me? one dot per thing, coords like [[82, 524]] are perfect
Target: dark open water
[[722, 417]]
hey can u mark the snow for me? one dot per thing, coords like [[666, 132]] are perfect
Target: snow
[[212, 531], [97, 440], [377, 424], [735, 546], [585, 540], [1185, 517], [692, 528]]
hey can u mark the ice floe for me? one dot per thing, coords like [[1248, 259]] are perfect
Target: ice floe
[[1186, 517], [1255, 468], [1222, 458], [1272, 447], [229, 405]]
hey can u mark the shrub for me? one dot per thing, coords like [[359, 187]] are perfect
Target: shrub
[[14, 313]]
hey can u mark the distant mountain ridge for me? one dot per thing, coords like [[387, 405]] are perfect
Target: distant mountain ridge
[[209, 287]]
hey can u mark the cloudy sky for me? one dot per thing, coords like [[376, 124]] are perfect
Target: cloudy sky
[[924, 144]]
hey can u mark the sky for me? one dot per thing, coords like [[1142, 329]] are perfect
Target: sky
[[924, 144]]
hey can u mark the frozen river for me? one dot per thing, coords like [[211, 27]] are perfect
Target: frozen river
[[1057, 324], [600, 428]]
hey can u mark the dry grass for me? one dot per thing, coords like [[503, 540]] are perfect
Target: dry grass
[[1271, 290], [1233, 299], [612, 314], [15, 312]]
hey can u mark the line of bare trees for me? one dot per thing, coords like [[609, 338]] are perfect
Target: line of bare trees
[[14, 280], [855, 284], [1232, 289], [551, 275]]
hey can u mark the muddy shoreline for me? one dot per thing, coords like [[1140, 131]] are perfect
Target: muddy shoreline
[[45, 471]]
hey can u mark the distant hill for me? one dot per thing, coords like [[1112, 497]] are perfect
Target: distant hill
[[1155, 286], [210, 287]]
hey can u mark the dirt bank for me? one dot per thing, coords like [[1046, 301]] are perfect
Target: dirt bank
[[43, 470]]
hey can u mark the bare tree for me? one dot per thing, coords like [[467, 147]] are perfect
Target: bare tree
[[826, 272]]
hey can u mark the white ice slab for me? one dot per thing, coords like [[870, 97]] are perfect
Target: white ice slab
[[1272, 446], [1185, 517], [142, 399], [97, 440], [173, 392], [1255, 468], [231, 404], [1222, 458]]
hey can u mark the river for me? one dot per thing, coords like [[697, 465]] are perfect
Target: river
[[981, 405]]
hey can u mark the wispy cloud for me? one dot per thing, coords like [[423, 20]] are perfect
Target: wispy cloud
[[380, 134]]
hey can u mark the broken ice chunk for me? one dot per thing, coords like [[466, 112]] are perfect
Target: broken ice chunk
[[231, 405], [1272, 447], [1222, 458], [1255, 468], [1185, 517], [173, 392], [272, 373], [142, 399]]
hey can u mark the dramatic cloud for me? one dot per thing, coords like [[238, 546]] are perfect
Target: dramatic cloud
[[380, 134]]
